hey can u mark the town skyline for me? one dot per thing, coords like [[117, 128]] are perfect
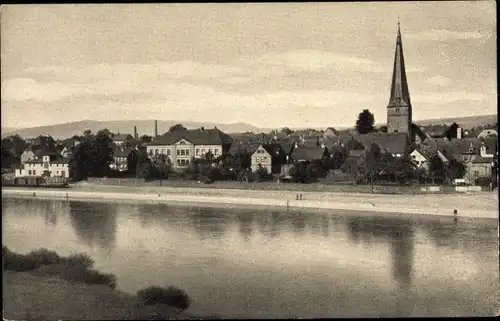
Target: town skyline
[[216, 69]]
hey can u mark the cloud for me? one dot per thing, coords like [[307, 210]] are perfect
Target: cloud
[[445, 35], [317, 61], [440, 81], [449, 97], [175, 70]]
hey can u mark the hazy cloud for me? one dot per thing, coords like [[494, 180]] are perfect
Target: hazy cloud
[[440, 81], [446, 35]]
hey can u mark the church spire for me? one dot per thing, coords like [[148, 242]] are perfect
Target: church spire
[[400, 95]]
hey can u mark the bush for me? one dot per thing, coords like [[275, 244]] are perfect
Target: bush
[[171, 296], [33, 260], [75, 267], [79, 259]]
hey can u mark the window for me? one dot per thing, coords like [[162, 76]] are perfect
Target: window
[[63, 173], [178, 152], [163, 151], [397, 110], [178, 162], [183, 152], [156, 151], [197, 152], [168, 152], [150, 152], [203, 150], [216, 151], [29, 172], [187, 152]]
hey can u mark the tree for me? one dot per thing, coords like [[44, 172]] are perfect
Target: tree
[[451, 132], [146, 138], [456, 169], [373, 163], [287, 131], [437, 169], [91, 157], [177, 127], [162, 165], [365, 122]]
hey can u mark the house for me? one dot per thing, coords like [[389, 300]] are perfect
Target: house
[[120, 157], [46, 166], [330, 132], [435, 131], [420, 157], [27, 155], [269, 156], [308, 153], [67, 151], [487, 133], [180, 146], [120, 139]]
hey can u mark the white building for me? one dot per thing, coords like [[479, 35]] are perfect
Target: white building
[[44, 167], [181, 146]]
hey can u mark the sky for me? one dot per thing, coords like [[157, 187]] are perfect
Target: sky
[[269, 64]]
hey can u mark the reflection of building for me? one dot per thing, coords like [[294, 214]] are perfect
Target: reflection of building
[[398, 233], [94, 223]]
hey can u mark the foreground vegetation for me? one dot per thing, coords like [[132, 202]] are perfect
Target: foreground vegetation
[[45, 276]]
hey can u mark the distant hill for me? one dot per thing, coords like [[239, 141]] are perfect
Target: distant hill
[[464, 122], [66, 130], [147, 126]]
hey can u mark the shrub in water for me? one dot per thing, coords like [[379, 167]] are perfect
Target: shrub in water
[[171, 296]]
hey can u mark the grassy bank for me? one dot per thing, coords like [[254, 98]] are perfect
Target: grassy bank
[[321, 186], [42, 285]]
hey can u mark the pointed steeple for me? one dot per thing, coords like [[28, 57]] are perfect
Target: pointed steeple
[[400, 95]]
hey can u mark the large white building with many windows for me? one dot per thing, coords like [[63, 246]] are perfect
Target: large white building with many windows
[[182, 145], [47, 166]]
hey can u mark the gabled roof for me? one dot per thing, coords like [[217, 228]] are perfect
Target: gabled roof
[[394, 143], [61, 160], [122, 137], [196, 136], [306, 153], [45, 152], [333, 130], [122, 152]]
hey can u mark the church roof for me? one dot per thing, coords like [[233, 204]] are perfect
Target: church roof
[[400, 95]]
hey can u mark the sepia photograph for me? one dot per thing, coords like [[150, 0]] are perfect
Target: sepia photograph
[[190, 161]]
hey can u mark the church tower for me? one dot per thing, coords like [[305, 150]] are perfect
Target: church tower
[[399, 110]]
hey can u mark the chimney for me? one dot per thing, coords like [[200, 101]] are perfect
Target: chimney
[[156, 128], [215, 127], [459, 133], [135, 132], [202, 129]]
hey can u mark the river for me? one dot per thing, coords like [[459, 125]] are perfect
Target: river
[[273, 264]]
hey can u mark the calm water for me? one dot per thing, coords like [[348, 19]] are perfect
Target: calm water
[[236, 263]]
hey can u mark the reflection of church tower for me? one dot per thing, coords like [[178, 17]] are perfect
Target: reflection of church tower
[[399, 110]]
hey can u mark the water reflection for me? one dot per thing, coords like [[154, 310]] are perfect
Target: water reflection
[[209, 223], [245, 222], [94, 223], [298, 224], [397, 232]]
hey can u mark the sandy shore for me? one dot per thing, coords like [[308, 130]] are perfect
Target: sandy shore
[[477, 205]]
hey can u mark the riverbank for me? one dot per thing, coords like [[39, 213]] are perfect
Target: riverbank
[[477, 205], [41, 285], [31, 297]]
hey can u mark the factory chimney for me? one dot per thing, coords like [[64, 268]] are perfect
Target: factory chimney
[[156, 128], [135, 133]]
